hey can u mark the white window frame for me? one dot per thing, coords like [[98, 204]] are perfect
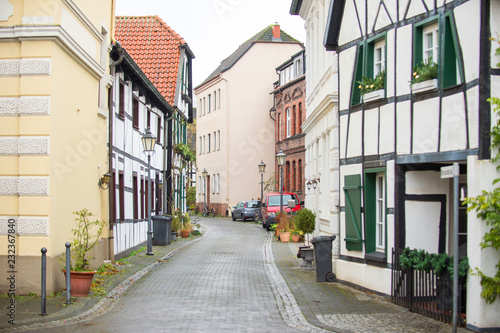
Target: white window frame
[[379, 57], [218, 140], [201, 147], [213, 184], [204, 105], [380, 211], [431, 30], [209, 103], [215, 142], [218, 183], [209, 146], [218, 95], [288, 122]]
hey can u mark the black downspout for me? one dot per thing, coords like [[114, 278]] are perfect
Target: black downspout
[[118, 49], [168, 180], [484, 81], [190, 87]]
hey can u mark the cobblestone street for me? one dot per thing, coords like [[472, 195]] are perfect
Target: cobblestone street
[[237, 278]]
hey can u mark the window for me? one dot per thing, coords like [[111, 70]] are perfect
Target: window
[[148, 119], [215, 100], [278, 124], [436, 39], [204, 145], [209, 103], [299, 119], [200, 107], [370, 61], [294, 119], [135, 190], [199, 187], [300, 176], [430, 43], [379, 57], [380, 197], [201, 146], [204, 105], [375, 210], [158, 131], [212, 184], [288, 122], [287, 176], [135, 112], [121, 111], [294, 176], [143, 194], [208, 141], [218, 140], [218, 96], [218, 183], [121, 189], [298, 68], [215, 142]]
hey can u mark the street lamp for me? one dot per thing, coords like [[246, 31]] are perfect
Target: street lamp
[[148, 143], [262, 169], [281, 158], [204, 174]]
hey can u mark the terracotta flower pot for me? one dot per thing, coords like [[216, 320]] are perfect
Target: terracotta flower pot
[[284, 236], [295, 238], [184, 233], [81, 281]]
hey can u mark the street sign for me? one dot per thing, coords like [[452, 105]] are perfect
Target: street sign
[[450, 171]]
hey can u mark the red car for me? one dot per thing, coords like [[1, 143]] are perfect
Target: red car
[[271, 206]]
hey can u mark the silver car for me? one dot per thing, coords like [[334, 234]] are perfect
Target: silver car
[[246, 210]]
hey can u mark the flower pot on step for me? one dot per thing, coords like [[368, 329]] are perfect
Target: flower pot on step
[[295, 238], [184, 233], [80, 281], [285, 236]]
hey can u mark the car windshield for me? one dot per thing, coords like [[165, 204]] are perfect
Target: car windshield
[[253, 204], [275, 200]]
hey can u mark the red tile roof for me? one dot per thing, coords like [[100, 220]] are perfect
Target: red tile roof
[[154, 46]]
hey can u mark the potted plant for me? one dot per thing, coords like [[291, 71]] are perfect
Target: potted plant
[[283, 225], [372, 89], [85, 240], [186, 229], [295, 235], [305, 222], [424, 77]]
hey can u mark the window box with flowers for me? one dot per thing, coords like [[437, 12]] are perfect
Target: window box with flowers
[[425, 77], [372, 89]]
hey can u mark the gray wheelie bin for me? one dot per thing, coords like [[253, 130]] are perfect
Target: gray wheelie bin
[[162, 226], [323, 258]]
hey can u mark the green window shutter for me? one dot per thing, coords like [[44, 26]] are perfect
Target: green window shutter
[[353, 231], [450, 54], [358, 76], [418, 46], [369, 60]]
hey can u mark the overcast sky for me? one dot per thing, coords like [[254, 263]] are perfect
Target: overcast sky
[[215, 28]]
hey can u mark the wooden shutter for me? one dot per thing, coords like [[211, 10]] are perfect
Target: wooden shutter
[[352, 190]]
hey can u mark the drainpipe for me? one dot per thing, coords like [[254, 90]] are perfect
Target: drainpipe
[[167, 169], [111, 188]]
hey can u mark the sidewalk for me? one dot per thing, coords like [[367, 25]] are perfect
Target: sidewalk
[[28, 308], [337, 307]]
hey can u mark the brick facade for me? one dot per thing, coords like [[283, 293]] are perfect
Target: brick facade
[[290, 112]]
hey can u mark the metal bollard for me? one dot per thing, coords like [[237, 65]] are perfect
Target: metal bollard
[[44, 282], [68, 274]]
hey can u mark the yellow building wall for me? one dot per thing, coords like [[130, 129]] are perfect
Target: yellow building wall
[[61, 153]]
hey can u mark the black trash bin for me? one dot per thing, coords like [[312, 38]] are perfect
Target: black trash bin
[[323, 258], [162, 225]]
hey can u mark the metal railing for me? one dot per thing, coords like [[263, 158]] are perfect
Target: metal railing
[[425, 292]]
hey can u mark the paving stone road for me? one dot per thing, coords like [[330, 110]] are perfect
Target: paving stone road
[[218, 284], [238, 279]]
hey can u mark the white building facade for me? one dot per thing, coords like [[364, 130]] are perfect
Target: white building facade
[[394, 138]]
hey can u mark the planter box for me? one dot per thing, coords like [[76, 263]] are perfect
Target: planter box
[[373, 96], [424, 86], [284, 236]]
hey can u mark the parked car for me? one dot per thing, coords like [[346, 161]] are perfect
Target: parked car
[[245, 210], [271, 206]]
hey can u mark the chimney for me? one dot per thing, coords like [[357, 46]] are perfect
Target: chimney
[[276, 31]]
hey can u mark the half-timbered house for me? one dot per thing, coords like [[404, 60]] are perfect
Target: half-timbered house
[[413, 82]]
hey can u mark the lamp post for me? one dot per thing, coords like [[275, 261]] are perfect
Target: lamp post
[[281, 158], [262, 169], [148, 143], [204, 174]]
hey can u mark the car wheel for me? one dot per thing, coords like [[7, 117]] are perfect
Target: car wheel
[[267, 226], [243, 219], [232, 216]]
